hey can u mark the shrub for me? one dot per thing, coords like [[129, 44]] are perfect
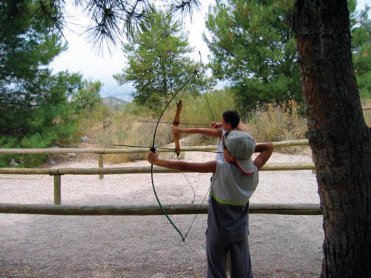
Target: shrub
[[277, 122]]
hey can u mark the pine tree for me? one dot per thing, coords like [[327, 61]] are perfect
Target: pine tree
[[158, 61]]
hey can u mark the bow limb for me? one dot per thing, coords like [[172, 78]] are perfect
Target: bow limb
[[163, 209], [154, 149], [176, 122]]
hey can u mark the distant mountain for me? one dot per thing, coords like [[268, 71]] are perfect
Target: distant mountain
[[112, 89], [114, 102]]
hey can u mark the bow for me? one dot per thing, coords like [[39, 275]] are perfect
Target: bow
[[153, 149], [176, 137], [176, 122]]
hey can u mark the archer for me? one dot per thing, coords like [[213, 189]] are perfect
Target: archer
[[233, 183], [230, 121]]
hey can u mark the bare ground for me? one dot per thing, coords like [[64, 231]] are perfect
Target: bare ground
[[148, 246]]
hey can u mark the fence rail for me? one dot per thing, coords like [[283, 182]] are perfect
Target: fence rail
[[58, 209], [102, 151], [300, 142], [287, 209], [135, 170]]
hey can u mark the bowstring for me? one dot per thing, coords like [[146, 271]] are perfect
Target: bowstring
[[205, 94], [204, 198], [184, 175], [168, 103], [209, 107], [154, 149], [199, 177]]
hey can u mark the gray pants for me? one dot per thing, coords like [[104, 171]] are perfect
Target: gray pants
[[217, 250]]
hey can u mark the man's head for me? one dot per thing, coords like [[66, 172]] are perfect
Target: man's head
[[240, 145], [230, 120]]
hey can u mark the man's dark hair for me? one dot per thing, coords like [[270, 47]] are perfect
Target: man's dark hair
[[231, 117]]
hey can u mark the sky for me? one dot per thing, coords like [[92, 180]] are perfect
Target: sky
[[82, 57]]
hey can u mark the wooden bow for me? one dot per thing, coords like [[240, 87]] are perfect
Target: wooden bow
[[153, 149], [176, 122]]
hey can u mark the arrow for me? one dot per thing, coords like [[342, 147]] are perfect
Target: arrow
[[165, 122]]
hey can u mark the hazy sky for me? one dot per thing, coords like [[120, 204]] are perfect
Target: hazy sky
[[82, 57]]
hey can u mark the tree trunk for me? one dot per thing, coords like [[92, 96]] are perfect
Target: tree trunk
[[338, 135]]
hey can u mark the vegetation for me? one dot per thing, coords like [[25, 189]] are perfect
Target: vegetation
[[131, 126], [273, 122], [361, 48], [158, 61], [34, 103], [41, 109], [253, 46]]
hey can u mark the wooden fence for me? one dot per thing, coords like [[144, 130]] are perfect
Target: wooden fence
[[58, 209], [102, 151]]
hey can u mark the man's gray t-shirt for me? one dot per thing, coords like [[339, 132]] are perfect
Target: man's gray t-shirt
[[228, 206]]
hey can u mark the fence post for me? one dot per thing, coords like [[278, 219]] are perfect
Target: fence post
[[100, 164], [57, 190]]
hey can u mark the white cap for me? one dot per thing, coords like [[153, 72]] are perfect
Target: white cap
[[241, 145]]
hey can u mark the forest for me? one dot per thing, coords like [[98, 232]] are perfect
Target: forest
[[252, 47]]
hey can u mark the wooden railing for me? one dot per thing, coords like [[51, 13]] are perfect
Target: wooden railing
[[308, 209], [287, 209], [102, 151], [298, 209]]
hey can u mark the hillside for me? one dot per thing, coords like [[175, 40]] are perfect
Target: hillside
[[114, 102]]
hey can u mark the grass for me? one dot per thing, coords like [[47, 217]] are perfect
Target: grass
[[277, 122], [133, 125]]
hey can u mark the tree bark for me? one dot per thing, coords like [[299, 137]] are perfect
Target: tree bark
[[338, 135]]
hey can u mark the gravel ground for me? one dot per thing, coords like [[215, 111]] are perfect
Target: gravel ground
[[148, 246]]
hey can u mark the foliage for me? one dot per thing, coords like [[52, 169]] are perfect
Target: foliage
[[125, 128], [27, 43], [47, 121], [253, 47], [361, 48], [109, 19], [132, 124], [90, 120], [367, 113], [277, 122], [88, 96], [158, 62], [34, 103], [205, 108]]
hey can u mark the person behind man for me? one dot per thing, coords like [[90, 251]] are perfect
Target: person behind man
[[234, 181], [230, 121]]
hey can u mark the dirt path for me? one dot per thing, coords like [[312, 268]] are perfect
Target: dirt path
[[122, 246]]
